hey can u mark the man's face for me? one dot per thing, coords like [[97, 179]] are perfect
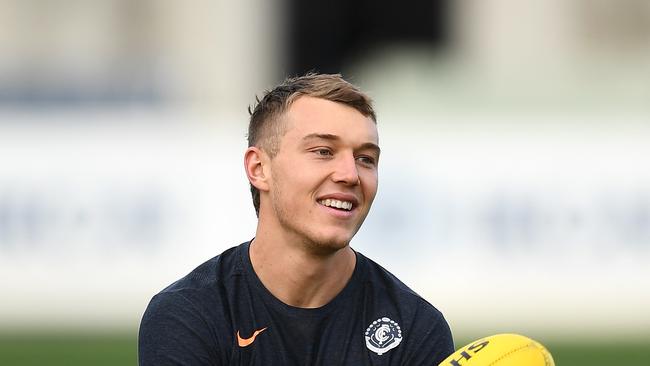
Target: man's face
[[324, 177]]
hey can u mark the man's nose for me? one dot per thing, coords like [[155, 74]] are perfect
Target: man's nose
[[346, 170]]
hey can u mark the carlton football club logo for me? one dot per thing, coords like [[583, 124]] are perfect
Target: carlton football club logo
[[383, 335]]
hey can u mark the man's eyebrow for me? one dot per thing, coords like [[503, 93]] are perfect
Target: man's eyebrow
[[324, 136], [330, 137], [370, 146]]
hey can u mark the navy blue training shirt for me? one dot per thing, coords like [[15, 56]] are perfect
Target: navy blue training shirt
[[221, 314]]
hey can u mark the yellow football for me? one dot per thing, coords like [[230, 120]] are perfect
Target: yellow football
[[501, 350]]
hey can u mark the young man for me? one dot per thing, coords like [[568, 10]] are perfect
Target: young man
[[297, 294]]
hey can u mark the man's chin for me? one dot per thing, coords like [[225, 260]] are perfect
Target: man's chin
[[330, 244]]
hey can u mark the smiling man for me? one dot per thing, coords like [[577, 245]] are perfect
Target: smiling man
[[298, 294]]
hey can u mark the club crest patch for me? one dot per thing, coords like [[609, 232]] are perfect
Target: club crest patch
[[383, 335]]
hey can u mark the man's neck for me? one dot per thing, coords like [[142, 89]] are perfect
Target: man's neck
[[298, 277]]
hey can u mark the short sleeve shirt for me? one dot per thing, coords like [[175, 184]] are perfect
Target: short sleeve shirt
[[221, 314]]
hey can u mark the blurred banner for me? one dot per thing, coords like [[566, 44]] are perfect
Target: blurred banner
[[514, 190]]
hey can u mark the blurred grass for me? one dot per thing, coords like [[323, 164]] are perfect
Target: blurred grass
[[68, 349], [120, 349], [600, 354]]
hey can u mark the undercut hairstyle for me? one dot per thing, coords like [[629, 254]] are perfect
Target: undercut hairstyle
[[266, 126]]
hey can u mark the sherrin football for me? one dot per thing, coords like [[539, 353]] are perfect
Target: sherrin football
[[501, 350]]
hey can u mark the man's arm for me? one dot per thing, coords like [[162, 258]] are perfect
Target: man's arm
[[431, 342], [173, 332]]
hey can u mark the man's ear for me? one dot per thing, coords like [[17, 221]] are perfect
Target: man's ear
[[255, 160]]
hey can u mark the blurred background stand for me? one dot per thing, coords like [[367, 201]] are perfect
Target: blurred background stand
[[514, 191]]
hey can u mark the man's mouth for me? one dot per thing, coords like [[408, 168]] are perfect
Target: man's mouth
[[341, 205]]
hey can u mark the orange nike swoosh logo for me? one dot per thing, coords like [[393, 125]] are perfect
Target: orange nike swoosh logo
[[245, 342]]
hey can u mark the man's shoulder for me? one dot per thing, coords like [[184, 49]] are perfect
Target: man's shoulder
[[210, 274], [379, 276], [201, 293], [191, 313], [387, 283]]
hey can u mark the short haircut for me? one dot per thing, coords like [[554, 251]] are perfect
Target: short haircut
[[266, 128]]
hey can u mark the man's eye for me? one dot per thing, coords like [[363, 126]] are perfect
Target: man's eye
[[323, 152], [367, 160]]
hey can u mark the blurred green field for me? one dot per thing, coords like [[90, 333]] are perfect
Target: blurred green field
[[118, 350], [68, 349]]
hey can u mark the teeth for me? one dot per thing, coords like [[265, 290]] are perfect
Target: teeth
[[336, 203]]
